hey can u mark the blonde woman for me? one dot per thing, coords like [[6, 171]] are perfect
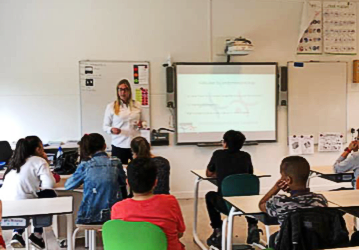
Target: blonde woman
[[121, 121]]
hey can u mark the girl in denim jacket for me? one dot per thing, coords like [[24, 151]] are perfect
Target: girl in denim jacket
[[101, 177]]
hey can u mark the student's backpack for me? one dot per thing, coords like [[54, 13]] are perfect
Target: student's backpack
[[66, 163]]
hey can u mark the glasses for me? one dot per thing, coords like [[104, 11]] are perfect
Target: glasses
[[124, 90]]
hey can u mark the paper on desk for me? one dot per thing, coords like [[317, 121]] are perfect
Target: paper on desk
[[329, 142]]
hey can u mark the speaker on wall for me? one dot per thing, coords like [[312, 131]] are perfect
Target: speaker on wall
[[283, 97], [170, 87]]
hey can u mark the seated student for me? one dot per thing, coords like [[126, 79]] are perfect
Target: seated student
[[294, 175], [161, 210], [28, 172], [224, 162], [101, 177], [141, 149], [2, 242], [344, 164]]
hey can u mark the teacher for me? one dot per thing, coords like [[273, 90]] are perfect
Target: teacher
[[121, 121]]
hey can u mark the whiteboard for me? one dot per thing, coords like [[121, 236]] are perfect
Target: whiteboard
[[98, 81], [317, 98]]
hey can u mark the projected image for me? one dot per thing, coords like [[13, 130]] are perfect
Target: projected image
[[210, 104]]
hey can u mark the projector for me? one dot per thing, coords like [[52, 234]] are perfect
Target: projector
[[238, 46]]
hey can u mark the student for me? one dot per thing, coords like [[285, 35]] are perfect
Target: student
[[294, 172], [345, 163], [28, 172], [2, 242], [141, 149], [161, 210], [101, 177], [224, 162]]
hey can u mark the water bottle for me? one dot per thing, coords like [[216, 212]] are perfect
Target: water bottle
[[59, 153]]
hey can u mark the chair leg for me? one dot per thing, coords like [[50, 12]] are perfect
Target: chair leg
[[74, 237], [230, 229], [86, 238], [268, 234], [27, 238], [224, 227], [45, 239], [93, 243]]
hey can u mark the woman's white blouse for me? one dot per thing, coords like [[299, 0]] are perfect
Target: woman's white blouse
[[125, 121]]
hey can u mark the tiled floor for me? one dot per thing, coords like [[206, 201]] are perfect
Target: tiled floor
[[204, 229]]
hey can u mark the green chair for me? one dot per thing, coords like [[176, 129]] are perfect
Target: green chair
[[124, 235], [236, 185]]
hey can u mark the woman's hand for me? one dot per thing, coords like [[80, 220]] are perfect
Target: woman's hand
[[115, 131]]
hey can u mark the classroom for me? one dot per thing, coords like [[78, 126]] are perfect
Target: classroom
[[43, 44]]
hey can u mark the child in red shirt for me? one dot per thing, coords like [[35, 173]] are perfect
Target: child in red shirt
[[161, 210]]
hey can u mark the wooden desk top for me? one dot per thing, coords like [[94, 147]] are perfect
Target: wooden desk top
[[324, 170], [28, 207], [249, 204], [202, 174], [343, 198]]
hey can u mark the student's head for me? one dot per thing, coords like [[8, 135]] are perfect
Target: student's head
[[90, 144], [25, 147], [141, 175], [140, 148], [124, 92], [295, 171], [233, 140]]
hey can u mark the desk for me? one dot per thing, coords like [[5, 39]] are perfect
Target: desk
[[47, 206], [327, 172], [201, 175]]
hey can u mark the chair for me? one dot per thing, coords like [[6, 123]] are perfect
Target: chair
[[118, 234], [90, 231], [237, 185], [313, 228], [5, 151]]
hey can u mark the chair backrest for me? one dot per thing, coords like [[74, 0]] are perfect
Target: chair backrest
[[5, 151], [118, 234], [313, 228], [240, 185]]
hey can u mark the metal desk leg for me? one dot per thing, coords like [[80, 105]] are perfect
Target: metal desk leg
[[195, 235], [69, 221], [27, 242]]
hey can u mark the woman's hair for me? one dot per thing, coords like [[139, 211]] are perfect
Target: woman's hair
[[25, 147], [234, 140], [119, 102], [91, 144], [141, 147]]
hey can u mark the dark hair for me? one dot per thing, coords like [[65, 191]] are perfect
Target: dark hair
[[297, 168], [141, 174], [141, 147], [25, 147], [90, 144], [234, 140]]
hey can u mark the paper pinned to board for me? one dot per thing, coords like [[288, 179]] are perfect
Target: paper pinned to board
[[301, 145], [330, 142], [140, 74]]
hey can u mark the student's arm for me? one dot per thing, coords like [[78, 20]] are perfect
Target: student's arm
[[250, 170], [280, 184], [107, 121], [344, 164], [211, 168], [122, 175], [45, 176], [77, 179], [181, 227]]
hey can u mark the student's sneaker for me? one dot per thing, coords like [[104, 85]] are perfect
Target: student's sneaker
[[17, 241], [215, 239], [253, 234], [37, 242]]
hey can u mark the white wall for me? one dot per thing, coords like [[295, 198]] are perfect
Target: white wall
[[42, 42]]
